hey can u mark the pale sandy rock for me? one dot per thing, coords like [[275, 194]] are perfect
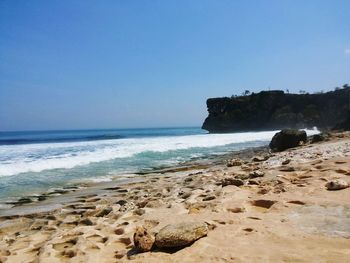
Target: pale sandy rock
[[337, 184], [180, 234], [143, 240], [256, 173]]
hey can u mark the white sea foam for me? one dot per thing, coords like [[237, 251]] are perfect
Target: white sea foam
[[15, 159]]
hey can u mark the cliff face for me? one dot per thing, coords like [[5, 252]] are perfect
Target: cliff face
[[269, 110]]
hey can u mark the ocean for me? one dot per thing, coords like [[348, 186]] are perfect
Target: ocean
[[37, 161]]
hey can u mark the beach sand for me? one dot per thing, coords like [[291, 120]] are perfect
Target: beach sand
[[285, 214]]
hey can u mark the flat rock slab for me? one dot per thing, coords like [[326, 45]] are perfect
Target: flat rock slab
[[181, 234]]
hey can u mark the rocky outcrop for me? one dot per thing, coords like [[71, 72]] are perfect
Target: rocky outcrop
[[268, 110], [181, 234], [286, 139]]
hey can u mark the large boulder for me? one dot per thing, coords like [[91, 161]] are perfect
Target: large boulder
[[286, 139], [182, 234]]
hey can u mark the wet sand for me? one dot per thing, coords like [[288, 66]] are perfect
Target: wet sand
[[281, 212]]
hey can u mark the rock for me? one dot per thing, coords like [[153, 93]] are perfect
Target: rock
[[103, 212], [253, 182], [286, 161], [86, 222], [263, 203], [260, 158], [286, 139], [337, 184], [256, 173], [181, 234], [139, 211], [236, 210], [242, 176], [143, 240], [127, 207], [234, 162], [208, 198], [287, 169], [318, 138], [231, 181]]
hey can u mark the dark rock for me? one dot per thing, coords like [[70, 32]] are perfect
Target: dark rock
[[86, 222], [121, 202], [231, 181], [286, 139], [182, 234], [260, 158], [103, 212], [317, 138], [287, 161], [263, 203], [208, 198], [287, 169]]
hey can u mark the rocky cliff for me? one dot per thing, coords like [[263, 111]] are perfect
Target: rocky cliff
[[269, 110]]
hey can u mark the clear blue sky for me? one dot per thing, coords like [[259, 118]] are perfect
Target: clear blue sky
[[114, 64]]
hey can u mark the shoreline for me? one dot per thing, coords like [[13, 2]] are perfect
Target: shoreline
[[272, 217], [57, 195]]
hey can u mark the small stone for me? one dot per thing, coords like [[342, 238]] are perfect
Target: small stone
[[256, 173], [208, 198], [234, 162], [287, 161], [104, 212], [287, 169], [139, 211], [119, 231], [231, 181], [263, 203], [181, 234], [260, 158], [337, 184], [242, 176], [121, 202], [236, 210], [143, 240], [86, 222]]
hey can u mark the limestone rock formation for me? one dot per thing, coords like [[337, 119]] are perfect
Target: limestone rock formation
[[181, 234]]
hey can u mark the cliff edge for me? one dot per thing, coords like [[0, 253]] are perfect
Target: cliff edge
[[270, 110]]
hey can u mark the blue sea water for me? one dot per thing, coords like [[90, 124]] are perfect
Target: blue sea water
[[34, 162]]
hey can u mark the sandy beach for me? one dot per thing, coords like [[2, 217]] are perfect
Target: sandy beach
[[258, 206]]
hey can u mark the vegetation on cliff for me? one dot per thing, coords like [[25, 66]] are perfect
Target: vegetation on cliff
[[268, 110]]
